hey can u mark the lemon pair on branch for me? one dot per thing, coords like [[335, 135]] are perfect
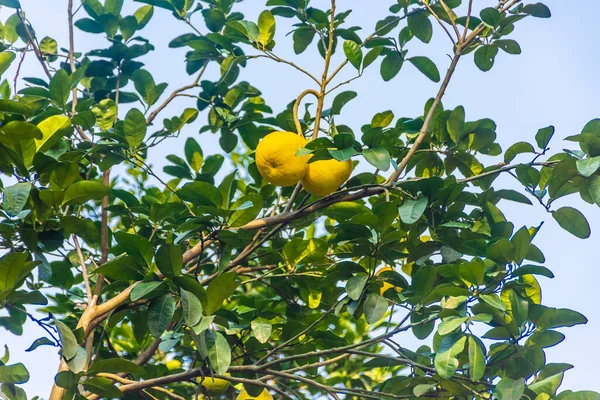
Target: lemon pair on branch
[[278, 163]]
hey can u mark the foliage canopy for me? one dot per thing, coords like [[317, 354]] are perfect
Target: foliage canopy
[[153, 286]]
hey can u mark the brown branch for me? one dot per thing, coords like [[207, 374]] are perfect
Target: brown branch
[[437, 18], [173, 95], [34, 44], [19, 68], [324, 78], [84, 271], [450, 18], [122, 380], [469, 13], [72, 52], [428, 119]]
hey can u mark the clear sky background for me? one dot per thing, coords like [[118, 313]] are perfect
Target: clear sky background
[[554, 82]]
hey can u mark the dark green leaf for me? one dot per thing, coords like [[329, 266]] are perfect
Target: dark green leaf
[[11, 374], [412, 210], [160, 313], [427, 67], [218, 290], [378, 157], [572, 221], [192, 308], [169, 260], [375, 308], [68, 341], [391, 65], [356, 285], [420, 26], [219, 352], [485, 56], [135, 127]]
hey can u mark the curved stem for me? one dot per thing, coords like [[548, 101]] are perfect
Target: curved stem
[[297, 106]]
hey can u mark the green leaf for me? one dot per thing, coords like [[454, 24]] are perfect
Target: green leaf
[[53, 128], [6, 59], [193, 154], [543, 136], [266, 27], [13, 374], [427, 67], [13, 270], [456, 124], [243, 215], [493, 300], [588, 166], [68, 341], [509, 46], [160, 314], [103, 387], [169, 260], [303, 37], [135, 127], [450, 324], [485, 56], [519, 307], [122, 267], [490, 16], [192, 308], [412, 210], [516, 149], [145, 86], [420, 26], [375, 308], [509, 389], [559, 317], [219, 352], [356, 285], [60, 88], [378, 157], [10, 3], [136, 246], [261, 329], [572, 221], [544, 339], [582, 395], [533, 270], [78, 362], [341, 100], [146, 290], [420, 390], [201, 193], [594, 188], [476, 359], [84, 191], [446, 361], [143, 15], [15, 197], [22, 130], [391, 65], [538, 10], [43, 341], [382, 119], [353, 53], [218, 290], [114, 366]]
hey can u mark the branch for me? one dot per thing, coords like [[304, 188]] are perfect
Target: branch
[[34, 44], [437, 18], [122, 380], [428, 119], [154, 113], [297, 106], [84, 272], [275, 58]]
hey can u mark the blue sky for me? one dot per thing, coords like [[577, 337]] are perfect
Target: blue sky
[[555, 81]]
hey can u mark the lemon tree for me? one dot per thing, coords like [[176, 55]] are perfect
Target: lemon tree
[[264, 270]]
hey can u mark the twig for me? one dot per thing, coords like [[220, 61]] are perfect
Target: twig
[[154, 113], [119, 379], [72, 52], [36, 49], [428, 119], [437, 18], [324, 78], [469, 13], [303, 332], [84, 272], [297, 107], [19, 68], [450, 18]]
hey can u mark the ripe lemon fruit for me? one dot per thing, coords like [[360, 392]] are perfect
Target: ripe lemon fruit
[[386, 285], [326, 176], [214, 385], [277, 161], [265, 395]]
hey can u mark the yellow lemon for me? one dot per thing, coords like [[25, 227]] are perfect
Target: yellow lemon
[[216, 385], [277, 161], [386, 285], [263, 396], [326, 176]]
